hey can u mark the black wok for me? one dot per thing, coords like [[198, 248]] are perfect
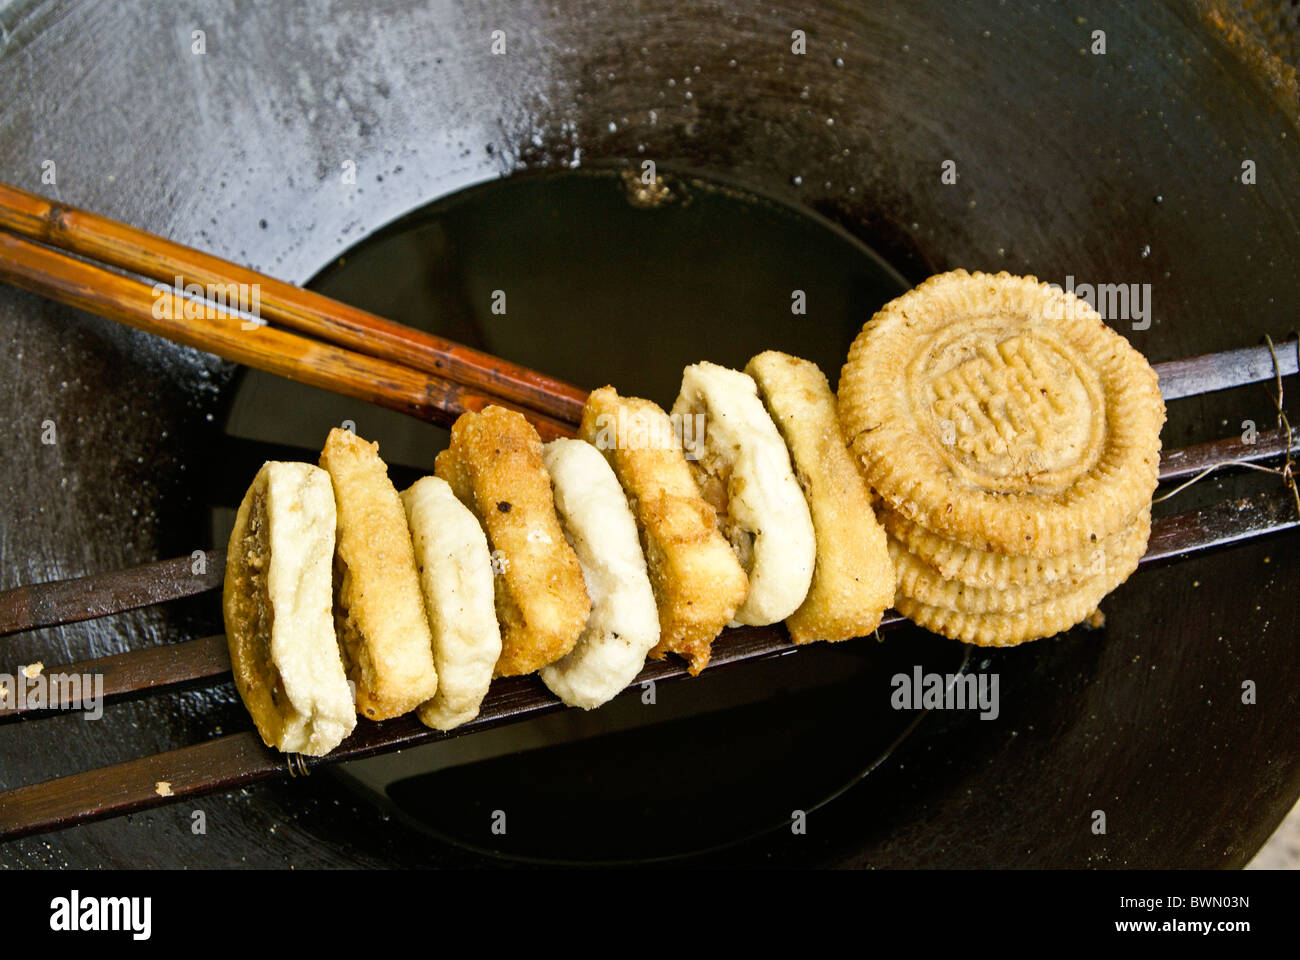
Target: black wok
[[1121, 167]]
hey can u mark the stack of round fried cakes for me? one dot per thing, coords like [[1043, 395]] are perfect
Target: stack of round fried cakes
[[1013, 440]]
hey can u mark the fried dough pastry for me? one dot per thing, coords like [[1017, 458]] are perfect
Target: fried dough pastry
[[624, 622], [853, 581], [1004, 571], [1048, 617], [378, 608], [1002, 414], [276, 601], [744, 472], [494, 466], [451, 553], [922, 583], [698, 582]]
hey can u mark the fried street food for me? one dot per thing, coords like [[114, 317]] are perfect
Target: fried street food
[[1002, 414], [1048, 617], [987, 468], [1003, 571], [924, 584], [1014, 441], [378, 608], [451, 553], [494, 466], [698, 582], [744, 472], [853, 582], [624, 622], [276, 601]]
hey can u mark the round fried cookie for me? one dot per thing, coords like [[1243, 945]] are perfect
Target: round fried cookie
[[1001, 571], [1044, 619], [922, 583], [1002, 413]]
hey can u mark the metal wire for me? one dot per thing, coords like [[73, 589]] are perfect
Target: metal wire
[[1286, 471]]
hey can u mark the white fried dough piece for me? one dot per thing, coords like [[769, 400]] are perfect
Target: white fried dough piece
[[624, 621], [853, 583], [451, 553], [744, 471], [378, 608], [277, 602]]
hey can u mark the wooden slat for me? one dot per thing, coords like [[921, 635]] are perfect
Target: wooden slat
[[134, 672], [100, 594], [241, 759], [1228, 522], [1189, 461], [1212, 372], [220, 764]]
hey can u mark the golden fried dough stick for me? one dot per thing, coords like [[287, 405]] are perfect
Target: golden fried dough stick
[[378, 608], [698, 582], [853, 583], [276, 603], [494, 466]]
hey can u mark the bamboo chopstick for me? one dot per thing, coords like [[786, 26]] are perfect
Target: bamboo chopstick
[[131, 301], [128, 248]]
